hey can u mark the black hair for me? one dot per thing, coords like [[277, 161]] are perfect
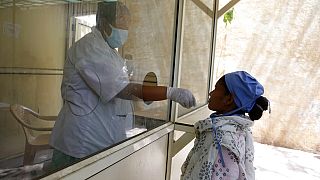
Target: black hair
[[262, 104]]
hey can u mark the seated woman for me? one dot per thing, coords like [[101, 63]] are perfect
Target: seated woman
[[223, 148]]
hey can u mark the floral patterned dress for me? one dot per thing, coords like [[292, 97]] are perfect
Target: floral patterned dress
[[233, 135]]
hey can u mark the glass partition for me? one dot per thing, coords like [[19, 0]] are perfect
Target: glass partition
[[196, 50], [35, 41]]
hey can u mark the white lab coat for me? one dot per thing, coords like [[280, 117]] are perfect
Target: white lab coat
[[91, 118], [234, 134]]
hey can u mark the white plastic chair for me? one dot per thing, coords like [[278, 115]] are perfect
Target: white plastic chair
[[34, 143]]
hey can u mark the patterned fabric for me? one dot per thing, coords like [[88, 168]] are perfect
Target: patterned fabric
[[235, 137], [231, 169]]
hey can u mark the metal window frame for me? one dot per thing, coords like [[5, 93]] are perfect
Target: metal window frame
[[188, 136]]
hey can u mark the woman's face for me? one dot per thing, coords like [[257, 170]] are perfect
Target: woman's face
[[218, 99]]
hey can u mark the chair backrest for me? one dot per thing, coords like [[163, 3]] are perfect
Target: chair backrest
[[25, 116]]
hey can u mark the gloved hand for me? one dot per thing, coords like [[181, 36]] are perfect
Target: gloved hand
[[182, 96]]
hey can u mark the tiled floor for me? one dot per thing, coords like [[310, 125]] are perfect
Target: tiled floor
[[271, 163], [11, 163], [13, 168], [41, 156]]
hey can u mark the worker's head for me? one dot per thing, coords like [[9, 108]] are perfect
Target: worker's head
[[238, 91], [113, 19]]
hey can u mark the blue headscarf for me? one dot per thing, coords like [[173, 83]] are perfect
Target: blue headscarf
[[245, 89]]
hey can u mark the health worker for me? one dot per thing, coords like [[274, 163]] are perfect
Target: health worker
[[95, 88]]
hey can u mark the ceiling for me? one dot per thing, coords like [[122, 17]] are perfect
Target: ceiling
[[30, 3]]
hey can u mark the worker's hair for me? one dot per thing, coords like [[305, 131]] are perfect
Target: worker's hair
[[106, 10], [109, 11], [261, 104]]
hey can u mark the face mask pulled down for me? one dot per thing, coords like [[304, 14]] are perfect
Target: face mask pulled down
[[117, 38]]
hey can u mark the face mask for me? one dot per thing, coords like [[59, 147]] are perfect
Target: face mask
[[117, 38]]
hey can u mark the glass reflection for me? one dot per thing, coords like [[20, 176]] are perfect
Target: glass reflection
[[196, 51]]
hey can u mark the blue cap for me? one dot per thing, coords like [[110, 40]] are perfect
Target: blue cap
[[245, 88]]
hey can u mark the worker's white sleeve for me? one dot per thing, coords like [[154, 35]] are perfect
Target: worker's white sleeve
[[106, 80]]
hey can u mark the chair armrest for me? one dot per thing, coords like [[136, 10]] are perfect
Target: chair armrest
[[42, 117], [40, 128], [48, 118]]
